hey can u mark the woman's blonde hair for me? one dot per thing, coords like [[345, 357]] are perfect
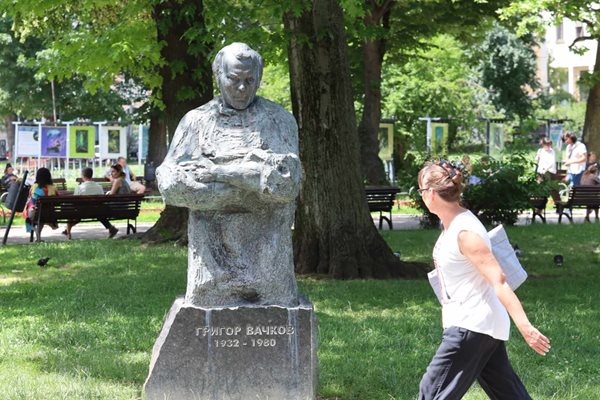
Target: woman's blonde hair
[[442, 177]]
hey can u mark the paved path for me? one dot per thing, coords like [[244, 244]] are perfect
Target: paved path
[[17, 234], [90, 230], [402, 221]]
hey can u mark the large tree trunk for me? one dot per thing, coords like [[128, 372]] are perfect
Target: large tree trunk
[[591, 127], [373, 50], [183, 89], [334, 233]]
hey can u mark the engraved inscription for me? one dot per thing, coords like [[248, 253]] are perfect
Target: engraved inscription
[[258, 336]]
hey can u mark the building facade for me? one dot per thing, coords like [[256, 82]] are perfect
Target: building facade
[[561, 68]]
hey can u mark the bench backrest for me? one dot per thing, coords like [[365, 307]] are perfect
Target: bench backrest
[[99, 180], [52, 208], [584, 196], [60, 183], [381, 198]]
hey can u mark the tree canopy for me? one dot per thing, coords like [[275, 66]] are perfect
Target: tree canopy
[[508, 70]]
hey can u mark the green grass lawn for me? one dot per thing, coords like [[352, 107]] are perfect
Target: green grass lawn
[[83, 328]]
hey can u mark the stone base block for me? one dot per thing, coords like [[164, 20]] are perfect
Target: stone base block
[[236, 353]]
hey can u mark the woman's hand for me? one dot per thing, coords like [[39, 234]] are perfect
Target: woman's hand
[[535, 339]]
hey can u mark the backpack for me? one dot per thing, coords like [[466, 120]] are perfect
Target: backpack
[[17, 196]]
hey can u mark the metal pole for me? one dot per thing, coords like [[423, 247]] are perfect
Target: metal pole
[[53, 101], [140, 137], [100, 123], [487, 137], [16, 144], [68, 124], [40, 141], [429, 130]]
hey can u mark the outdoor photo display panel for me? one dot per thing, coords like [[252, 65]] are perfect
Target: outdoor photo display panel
[[145, 138], [113, 142], [439, 138], [81, 143], [496, 139], [386, 141], [54, 141], [556, 132], [28, 141]]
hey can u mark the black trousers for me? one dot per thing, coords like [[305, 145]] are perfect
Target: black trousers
[[463, 357], [105, 223]]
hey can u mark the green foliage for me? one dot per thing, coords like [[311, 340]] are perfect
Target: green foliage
[[275, 85], [500, 190], [439, 83], [574, 112], [508, 65], [497, 191], [26, 91]]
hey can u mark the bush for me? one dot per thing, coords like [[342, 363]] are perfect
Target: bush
[[502, 189], [496, 191]]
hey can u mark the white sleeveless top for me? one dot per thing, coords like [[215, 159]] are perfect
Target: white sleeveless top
[[470, 302]]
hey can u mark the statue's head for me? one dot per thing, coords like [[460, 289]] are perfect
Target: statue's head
[[238, 71]]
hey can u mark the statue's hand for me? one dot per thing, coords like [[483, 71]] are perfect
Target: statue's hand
[[281, 176], [198, 170], [258, 155]]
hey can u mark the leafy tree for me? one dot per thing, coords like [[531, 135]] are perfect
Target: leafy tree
[[530, 17], [164, 43], [26, 92], [398, 29], [508, 70], [334, 233], [438, 81]]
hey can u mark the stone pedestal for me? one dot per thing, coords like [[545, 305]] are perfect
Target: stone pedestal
[[235, 353]]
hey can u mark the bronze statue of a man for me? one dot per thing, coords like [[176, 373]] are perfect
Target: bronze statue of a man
[[234, 163]]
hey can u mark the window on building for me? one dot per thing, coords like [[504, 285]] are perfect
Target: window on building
[[583, 83], [559, 32], [579, 32]]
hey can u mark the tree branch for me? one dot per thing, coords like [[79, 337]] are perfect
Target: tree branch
[[581, 39], [378, 12], [588, 22]]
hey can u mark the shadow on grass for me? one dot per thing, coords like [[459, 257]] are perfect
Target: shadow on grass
[[96, 309]]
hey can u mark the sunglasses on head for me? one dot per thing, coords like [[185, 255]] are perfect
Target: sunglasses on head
[[450, 167]]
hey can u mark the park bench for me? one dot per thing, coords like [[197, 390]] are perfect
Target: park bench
[[54, 209], [381, 199], [579, 197], [60, 184], [538, 207]]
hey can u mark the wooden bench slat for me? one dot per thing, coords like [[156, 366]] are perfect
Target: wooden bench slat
[[381, 199]]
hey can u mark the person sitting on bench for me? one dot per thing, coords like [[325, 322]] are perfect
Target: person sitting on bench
[[9, 177], [89, 188], [43, 186]]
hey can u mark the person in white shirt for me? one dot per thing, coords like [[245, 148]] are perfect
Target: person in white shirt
[[576, 158], [477, 301], [90, 188], [545, 158]]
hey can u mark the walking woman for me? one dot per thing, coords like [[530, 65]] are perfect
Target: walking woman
[[477, 301]]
